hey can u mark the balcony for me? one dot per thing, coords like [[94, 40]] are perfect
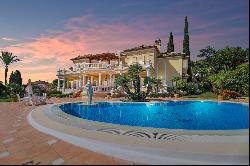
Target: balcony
[[77, 68], [85, 66]]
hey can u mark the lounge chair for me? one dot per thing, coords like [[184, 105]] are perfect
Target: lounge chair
[[25, 100], [77, 94], [43, 99]]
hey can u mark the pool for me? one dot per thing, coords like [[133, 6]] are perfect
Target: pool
[[189, 115]]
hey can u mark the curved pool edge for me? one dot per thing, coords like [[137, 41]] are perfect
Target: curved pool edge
[[140, 150]]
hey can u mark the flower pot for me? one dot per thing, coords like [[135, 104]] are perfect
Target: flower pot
[[220, 97], [176, 95]]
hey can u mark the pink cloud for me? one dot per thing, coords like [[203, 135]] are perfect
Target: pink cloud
[[61, 46], [43, 55]]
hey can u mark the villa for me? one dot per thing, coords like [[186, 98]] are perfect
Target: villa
[[102, 69]]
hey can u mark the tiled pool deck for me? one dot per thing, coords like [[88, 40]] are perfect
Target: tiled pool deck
[[21, 144]]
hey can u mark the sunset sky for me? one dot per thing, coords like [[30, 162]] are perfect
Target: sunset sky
[[45, 34]]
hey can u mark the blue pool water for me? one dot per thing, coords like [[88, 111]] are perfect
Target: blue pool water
[[192, 115]]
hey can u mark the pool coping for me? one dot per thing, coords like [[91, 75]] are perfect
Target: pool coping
[[139, 149]]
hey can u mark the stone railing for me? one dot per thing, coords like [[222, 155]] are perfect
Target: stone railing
[[85, 66], [100, 88]]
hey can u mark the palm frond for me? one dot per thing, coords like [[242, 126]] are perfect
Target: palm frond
[[7, 58]]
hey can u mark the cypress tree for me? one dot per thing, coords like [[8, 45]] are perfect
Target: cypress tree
[[186, 49], [16, 77], [11, 79], [170, 47]]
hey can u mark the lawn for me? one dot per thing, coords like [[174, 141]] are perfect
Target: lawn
[[206, 95], [5, 100]]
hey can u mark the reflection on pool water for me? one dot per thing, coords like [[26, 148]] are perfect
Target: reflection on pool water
[[192, 115]]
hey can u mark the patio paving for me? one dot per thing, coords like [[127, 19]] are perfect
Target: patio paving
[[21, 144]]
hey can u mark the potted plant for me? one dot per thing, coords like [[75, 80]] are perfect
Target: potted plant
[[220, 97]]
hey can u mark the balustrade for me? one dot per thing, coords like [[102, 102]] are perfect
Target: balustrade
[[100, 88]]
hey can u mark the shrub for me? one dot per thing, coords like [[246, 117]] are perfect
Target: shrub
[[239, 79], [157, 95], [16, 78], [14, 89], [187, 88], [230, 94], [56, 93], [3, 90], [134, 92]]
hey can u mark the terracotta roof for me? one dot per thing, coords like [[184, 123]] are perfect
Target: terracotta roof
[[142, 47], [102, 56], [171, 54]]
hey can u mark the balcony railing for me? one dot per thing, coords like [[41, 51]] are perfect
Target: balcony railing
[[94, 66], [89, 66], [100, 88], [95, 89]]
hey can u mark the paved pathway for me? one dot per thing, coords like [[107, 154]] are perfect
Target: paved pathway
[[21, 144]]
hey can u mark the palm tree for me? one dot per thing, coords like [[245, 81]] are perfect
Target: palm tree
[[8, 58]]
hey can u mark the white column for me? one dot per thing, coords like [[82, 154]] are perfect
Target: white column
[[72, 84], [77, 84], [67, 84], [84, 80], [58, 84], [91, 79], [100, 79], [63, 84], [165, 73], [113, 83], [110, 80], [80, 82]]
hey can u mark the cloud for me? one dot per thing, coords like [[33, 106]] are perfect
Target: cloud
[[43, 55], [8, 39]]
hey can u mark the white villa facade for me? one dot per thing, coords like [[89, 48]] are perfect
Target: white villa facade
[[102, 69]]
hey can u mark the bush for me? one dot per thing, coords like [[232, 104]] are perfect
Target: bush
[[238, 79], [56, 93], [187, 88], [157, 95], [14, 89], [230, 94], [3, 90]]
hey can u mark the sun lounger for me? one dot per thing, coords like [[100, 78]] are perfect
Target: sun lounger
[[77, 94], [25, 100]]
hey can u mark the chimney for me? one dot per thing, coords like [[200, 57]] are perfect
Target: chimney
[[158, 44]]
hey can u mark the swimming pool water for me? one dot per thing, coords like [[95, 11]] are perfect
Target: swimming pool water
[[192, 115]]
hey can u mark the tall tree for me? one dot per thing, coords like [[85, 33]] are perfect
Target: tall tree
[[207, 52], [16, 77], [228, 58], [7, 58], [170, 47], [186, 49], [11, 79]]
